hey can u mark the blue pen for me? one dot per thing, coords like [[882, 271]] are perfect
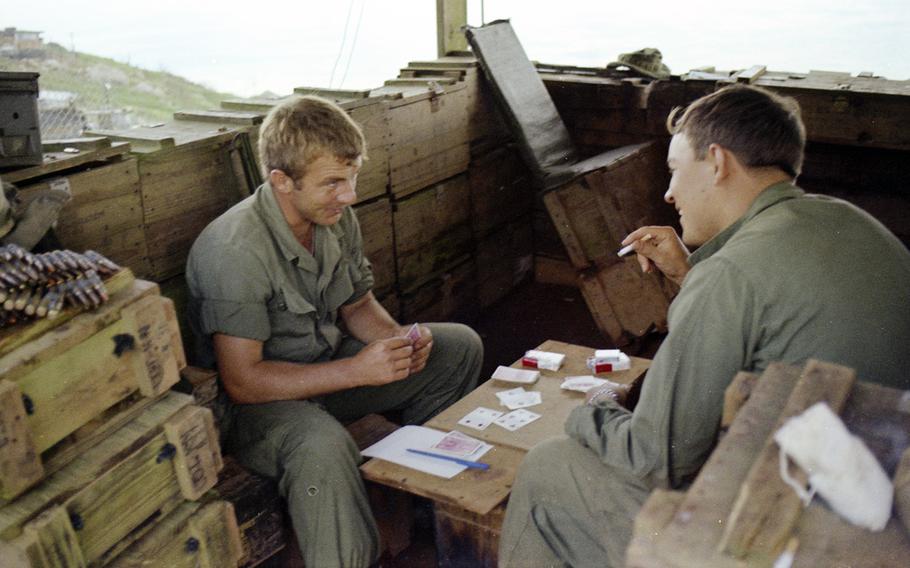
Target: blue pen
[[466, 463]]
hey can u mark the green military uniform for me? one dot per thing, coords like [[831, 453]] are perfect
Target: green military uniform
[[798, 276], [249, 277]]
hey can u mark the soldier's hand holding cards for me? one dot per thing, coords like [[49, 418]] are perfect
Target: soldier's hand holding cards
[[422, 340]]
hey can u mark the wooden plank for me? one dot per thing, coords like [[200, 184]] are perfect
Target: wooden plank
[[657, 512], [432, 230], [104, 213], [554, 271], [448, 295], [504, 260], [236, 118], [81, 144], [555, 408], [176, 345], [194, 535], [766, 509], [98, 379], [751, 74], [155, 340], [198, 460], [91, 485], [428, 138], [259, 511], [625, 302], [451, 17], [736, 395], [20, 462], [373, 179], [377, 228], [56, 539], [687, 533], [14, 337], [501, 189], [690, 538], [464, 538], [473, 490], [60, 162]]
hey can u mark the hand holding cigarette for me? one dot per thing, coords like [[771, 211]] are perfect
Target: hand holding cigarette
[[660, 248]]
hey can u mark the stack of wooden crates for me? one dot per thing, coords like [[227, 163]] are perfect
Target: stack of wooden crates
[[101, 463]]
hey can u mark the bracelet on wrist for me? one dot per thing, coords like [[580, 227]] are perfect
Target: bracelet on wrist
[[602, 392]]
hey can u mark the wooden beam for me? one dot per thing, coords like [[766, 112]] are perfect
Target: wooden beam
[[451, 16], [766, 509]]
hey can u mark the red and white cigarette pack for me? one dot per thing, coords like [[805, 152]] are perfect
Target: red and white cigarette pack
[[543, 360], [609, 360]]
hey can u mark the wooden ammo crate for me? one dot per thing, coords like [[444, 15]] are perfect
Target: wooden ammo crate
[[96, 506], [450, 295], [432, 231], [592, 214], [61, 390], [739, 511], [500, 189], [464, 538], [429, 134], [104, 213], [188, 176], [376, 227], [367, 111], [193, 536], [505, 259], [484, 120]]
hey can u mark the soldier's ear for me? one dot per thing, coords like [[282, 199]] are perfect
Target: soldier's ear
[[280, 181]]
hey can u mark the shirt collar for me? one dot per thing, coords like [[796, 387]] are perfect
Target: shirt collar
[[769, 196], [326, 245]]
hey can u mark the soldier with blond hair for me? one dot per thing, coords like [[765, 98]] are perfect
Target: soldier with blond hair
[[271, 282]]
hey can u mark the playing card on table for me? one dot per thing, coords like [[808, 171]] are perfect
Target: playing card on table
[[518, 398], [480, 418], [413, 333], [457, 444], [516, 419]]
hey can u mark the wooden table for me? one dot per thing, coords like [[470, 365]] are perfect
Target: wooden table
[[469, 507]]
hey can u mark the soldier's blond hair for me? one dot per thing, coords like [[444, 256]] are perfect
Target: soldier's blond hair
[[304, 128]]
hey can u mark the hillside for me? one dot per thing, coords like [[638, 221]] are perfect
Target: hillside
[[108, 93]]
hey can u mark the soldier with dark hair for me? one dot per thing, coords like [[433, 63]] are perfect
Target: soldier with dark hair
[[779, 275]]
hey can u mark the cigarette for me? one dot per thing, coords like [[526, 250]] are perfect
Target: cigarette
[[630, 247]]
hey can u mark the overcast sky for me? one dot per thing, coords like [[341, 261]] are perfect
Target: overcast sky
[[249, 47]]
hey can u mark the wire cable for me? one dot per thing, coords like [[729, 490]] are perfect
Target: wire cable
[[344, 37], [353, 44]]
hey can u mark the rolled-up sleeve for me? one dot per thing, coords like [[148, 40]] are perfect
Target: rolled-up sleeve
[[675, 424]]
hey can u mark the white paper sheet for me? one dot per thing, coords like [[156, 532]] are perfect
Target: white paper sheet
[[394, 447]]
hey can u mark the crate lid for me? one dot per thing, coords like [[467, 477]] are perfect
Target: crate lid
[[19, 81]]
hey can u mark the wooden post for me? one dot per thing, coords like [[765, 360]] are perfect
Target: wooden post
[[451, 15]]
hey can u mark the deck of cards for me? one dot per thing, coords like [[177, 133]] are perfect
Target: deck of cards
[[460, 445], [413, 333], [510, 375]]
